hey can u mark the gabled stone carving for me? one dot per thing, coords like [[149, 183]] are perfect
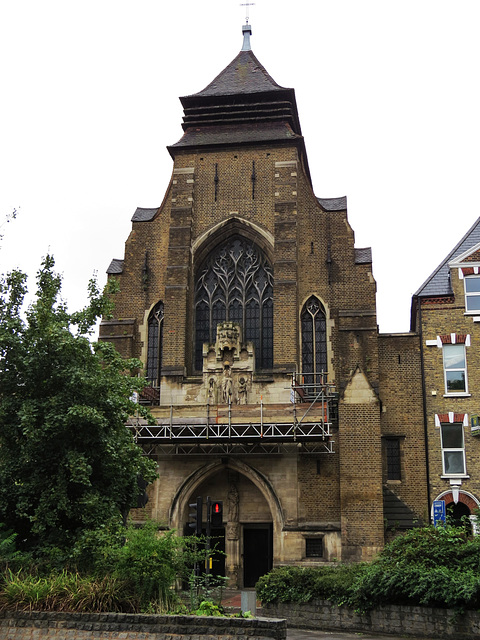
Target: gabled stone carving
[[228, 366]]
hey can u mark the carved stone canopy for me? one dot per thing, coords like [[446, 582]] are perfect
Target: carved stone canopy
[[229, 340]]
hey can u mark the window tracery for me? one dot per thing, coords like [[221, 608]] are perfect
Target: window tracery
[[154, 344], [235, 283], [314, 342]]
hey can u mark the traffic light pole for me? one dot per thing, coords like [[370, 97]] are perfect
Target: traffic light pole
[[208, 557]]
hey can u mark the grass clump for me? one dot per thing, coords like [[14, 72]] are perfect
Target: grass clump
[[63, 591]]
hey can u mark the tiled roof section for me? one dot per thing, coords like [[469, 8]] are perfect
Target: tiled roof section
[[333, 204], [397, 514], [237, 134], [438, 283], [242, 93], [363, 256], [244, 74], [242, 105], [144, 215], [116, 266]]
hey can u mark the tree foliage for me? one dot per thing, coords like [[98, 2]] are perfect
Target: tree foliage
[[67, 462]]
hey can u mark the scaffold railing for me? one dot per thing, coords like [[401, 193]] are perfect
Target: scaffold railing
[[186, 430], [157, 449], [312, 407]]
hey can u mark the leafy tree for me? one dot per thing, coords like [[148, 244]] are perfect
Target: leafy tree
[[67, 462], [8, 218]]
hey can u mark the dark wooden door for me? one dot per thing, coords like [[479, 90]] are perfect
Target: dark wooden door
[[257, 552]]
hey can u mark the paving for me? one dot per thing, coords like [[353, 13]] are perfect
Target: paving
[[232, 601], [304, 634]]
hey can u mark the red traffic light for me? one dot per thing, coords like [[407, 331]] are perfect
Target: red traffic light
[[216, 513]]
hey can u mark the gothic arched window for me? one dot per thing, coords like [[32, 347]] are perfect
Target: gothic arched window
[[154, 344], [314, 342], [235, 283]]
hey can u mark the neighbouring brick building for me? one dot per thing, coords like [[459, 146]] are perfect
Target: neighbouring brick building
[[446, 314], [255, 316]]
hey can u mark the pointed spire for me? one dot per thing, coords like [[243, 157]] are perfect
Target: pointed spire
[[247, 32]]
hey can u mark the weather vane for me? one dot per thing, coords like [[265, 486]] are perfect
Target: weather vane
[[247, 4]]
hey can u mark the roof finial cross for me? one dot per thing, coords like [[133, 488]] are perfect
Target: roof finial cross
[[247, 4]]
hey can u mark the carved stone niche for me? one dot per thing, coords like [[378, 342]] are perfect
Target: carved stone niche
[[228, 366]]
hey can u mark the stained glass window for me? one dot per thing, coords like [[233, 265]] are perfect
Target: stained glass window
[[314, 343], [235, 283], [154, 345]]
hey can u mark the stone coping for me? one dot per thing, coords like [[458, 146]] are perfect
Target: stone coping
[[137, 626]]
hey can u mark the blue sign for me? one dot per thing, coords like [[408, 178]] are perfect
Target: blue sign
[[439, 512]]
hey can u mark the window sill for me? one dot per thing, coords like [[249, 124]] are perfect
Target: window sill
[[460, 394], [455, 476]]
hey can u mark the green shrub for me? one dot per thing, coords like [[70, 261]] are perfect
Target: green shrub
[[150, 562], [209, 608], [297, 584], [438, 567], [430, 566], [9, 555]]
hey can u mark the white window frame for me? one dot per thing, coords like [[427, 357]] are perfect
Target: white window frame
[[471, 294], [446, 450], [446, 369]]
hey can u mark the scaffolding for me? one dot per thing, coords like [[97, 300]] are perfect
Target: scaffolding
[[313, 408]]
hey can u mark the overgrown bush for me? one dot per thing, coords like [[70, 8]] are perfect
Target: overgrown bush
[[429, 566], [297, 584], [150, 562]]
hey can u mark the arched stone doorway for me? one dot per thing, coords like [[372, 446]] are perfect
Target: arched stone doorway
[[251, 518]]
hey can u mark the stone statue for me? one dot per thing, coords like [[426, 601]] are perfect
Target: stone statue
[[227, 385], [233, 527], [212, 391], [242, 391]]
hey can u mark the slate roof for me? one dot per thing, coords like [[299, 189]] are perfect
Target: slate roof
[[244, 75], [363, 256], [438, 283], [236, 134], [242, 105], [333, 204], [116, 266], [144, 215]]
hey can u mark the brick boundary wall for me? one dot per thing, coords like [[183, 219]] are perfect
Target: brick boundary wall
[[105, 626], [390, 619]]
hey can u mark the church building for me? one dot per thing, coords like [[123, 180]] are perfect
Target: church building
[[254, 314]]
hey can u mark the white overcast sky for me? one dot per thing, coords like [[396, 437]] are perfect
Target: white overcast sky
[[387, 92]]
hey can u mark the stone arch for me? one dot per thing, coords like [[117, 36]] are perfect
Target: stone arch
[[219, 233], [194, 480], [465, 497]]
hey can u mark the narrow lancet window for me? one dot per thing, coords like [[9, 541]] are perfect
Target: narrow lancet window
[[154, 345], [314, 343]]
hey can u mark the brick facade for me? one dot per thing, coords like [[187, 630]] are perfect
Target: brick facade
[[248, 177], [443, 321]]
